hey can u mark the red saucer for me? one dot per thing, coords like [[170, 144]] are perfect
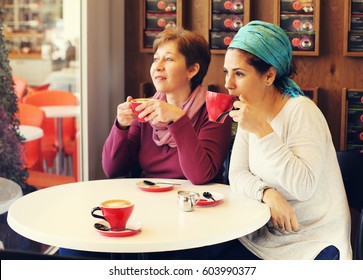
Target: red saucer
[[156, 188], [218, 197]]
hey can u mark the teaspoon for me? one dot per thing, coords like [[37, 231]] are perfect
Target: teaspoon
[[208, 195], [147, 182], [221, 115], [106, 228]]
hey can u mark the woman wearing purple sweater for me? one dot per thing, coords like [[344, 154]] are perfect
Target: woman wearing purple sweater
[[178, 140]]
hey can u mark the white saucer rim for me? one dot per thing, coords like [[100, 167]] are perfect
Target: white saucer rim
[[216, 195], [136, 225]]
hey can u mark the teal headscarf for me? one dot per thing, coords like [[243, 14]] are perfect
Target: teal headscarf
[[269, 43]]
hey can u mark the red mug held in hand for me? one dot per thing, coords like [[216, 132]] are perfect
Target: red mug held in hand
[[218, 105], [135, 103]]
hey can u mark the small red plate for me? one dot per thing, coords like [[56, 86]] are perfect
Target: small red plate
[[156, 188], [134, 226], [218, 197]]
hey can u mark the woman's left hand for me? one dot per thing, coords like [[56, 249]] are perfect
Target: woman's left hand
[[158, 111], [283, 216]]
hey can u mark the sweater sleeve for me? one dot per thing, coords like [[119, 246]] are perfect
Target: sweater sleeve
[[241, 178], [119, 154], [201, 150]]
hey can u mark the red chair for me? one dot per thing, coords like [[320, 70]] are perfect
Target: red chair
[[32, 115], [53, 98], [20, 87], [38, 88], [71, 149]]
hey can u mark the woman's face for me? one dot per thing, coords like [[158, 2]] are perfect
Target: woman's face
[[168, 70], [242, 78]]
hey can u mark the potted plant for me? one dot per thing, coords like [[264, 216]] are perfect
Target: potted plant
[[11, 151]]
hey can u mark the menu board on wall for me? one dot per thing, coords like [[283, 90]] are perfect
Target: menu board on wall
[[300, 21], [226, 18], [355, 36], [156, 16], [352, 120]]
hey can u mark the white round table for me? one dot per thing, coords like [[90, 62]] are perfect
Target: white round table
[[30, 132], [61, 216], [61, 111], [9, 192]]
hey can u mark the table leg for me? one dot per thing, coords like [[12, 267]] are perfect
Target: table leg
[[59, 140]]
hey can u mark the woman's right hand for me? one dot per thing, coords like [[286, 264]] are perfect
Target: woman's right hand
[[125, 115], [250, 118]]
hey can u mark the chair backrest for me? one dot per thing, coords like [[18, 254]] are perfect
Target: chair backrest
[[351, 164], [20, 87], [359, 238], [38, 88], [30, 115], [226, 164], [227, 159], [53, 98]]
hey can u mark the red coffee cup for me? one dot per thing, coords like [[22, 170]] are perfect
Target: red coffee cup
[[116, 212], [136, 102], [218, 103]]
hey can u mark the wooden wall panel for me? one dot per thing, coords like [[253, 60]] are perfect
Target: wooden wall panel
[[330, 71]]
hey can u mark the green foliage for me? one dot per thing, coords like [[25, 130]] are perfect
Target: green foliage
[[11, 151]]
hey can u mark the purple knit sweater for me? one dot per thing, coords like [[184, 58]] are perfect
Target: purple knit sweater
[[198, 156]]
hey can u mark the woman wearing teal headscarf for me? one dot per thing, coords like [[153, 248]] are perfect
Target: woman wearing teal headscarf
[[283, 154]]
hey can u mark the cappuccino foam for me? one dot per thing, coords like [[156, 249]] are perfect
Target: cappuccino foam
[[116, 203], [140, 100]]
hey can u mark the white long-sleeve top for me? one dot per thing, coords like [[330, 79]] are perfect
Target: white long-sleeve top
[[299, 160]]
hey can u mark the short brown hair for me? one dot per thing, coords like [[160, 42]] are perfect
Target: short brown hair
[[192, 46]]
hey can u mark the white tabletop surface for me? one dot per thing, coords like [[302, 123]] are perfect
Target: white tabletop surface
[[61, 111], [9, 192], [30, 132], [61, 216]]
